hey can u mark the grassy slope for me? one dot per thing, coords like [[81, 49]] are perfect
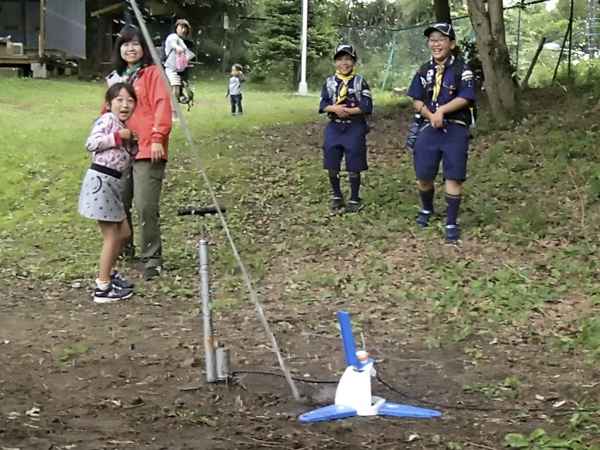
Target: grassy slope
[[45, 124], [531, 216]]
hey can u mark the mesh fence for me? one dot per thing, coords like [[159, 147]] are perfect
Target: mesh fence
[[390, 57]]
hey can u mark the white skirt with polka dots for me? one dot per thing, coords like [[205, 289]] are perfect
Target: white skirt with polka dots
[[100, 197]]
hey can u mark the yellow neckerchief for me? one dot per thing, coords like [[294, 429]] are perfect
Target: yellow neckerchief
[[439, 75], [344, 89], [437, 87]]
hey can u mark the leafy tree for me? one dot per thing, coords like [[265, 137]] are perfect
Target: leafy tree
[[580, 9], [381, 13], [536, 22], [392, 13], [278, 40]]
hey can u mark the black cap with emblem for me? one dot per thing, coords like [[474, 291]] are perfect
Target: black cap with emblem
[[444, 28], [345, 48]]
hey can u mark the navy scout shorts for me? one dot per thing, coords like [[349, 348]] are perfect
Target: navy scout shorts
[[450, 146], [347, 140]]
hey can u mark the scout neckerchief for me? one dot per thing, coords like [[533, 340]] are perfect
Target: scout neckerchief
[[131, 75], [344, 89], [439, 75], [437, 87]]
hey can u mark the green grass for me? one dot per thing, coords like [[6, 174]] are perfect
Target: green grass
[[521, 190], [45, 125], [69, 353]]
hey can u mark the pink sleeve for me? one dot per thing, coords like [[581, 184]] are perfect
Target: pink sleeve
[[101, 138]]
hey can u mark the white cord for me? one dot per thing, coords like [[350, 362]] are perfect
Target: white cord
[[196, 154]]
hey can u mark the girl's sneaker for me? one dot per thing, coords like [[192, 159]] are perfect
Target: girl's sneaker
[[112, 294], [117, 280]]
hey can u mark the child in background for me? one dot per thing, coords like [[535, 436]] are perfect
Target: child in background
[[346, 98], [113, 148], [234, 91], [174, 45]]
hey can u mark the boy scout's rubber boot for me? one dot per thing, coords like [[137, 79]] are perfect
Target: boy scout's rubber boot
[[336, 205], [452, 234], [423, 219], [354, 206]]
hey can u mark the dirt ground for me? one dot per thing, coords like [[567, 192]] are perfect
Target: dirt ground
[[134, 378]]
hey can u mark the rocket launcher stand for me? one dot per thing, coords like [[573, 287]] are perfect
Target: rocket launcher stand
[[353, 394]]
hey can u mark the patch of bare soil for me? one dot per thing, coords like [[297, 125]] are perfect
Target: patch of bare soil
[[138, 381]]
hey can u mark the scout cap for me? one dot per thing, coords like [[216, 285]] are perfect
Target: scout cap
[[444, 28], [345, 48]]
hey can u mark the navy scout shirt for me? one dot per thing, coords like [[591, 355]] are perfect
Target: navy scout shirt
[[366, 101], [422, 85]]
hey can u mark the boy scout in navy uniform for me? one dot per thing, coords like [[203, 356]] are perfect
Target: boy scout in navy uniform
[[442, 94], [346, 98]]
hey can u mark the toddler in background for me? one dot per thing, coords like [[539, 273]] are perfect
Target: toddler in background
[[234, 91]]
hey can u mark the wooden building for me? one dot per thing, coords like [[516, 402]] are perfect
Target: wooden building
[[39, 35]]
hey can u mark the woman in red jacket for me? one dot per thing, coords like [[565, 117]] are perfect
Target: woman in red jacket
[[142, 183]]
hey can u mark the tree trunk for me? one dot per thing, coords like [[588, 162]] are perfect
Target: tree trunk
[[500, 84], [442, 11]]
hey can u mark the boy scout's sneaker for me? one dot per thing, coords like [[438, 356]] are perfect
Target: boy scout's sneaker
[[336, 205], [423, 219], [354, 206], [117, 280], [111, 294], [452, 234]]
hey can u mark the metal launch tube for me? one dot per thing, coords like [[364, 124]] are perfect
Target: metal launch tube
[[209, 344]]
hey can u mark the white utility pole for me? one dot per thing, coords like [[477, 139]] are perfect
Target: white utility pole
[[303, 87]]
